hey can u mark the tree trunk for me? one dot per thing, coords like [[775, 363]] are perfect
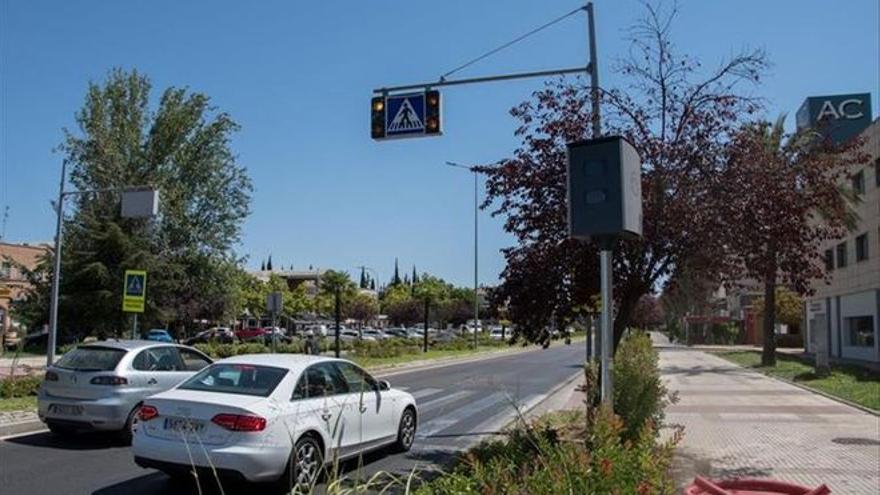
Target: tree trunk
[[768, 355]]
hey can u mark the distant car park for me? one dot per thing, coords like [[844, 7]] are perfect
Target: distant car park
[[221, 335]]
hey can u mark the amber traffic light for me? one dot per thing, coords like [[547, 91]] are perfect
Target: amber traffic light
[[377, 117], [432, 112]]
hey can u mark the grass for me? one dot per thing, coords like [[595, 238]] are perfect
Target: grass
[[18, 404], [852, 383]]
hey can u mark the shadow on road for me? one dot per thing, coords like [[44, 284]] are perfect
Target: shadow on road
[[82, 441]]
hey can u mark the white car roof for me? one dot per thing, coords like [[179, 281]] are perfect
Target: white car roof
[[293, 362]]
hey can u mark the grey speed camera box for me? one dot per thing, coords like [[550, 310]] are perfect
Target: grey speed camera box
[[604, 189], [140, 203]]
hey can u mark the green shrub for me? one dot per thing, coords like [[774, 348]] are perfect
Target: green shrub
[[640, 395], [550, 458], [19, 386]]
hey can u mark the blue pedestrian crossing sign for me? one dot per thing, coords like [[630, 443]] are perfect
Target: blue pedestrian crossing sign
[[406, 115], [134, 291]]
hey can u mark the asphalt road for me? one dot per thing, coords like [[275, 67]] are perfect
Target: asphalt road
[[459, 404]]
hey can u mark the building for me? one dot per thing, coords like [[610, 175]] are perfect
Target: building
[[309, 279], [845, 313], [13, 283]]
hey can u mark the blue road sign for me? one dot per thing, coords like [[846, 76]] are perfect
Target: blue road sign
[[405, 114]]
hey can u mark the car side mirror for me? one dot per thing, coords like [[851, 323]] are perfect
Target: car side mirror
[[384, 385]]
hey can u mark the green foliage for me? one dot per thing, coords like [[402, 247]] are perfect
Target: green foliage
[[853, 383], [640, 396], [557, 456], [789, 307], [182, 148], [19, 386]]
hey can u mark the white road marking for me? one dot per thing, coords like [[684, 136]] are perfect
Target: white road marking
[[418, 394], [441, 401], [466, 410]]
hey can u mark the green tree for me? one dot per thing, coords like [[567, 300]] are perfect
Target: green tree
[[789, 307], [182, 148]]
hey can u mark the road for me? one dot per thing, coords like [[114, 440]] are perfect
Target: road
[[459, 404]]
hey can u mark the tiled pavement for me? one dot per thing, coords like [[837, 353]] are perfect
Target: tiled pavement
[[739, 423]]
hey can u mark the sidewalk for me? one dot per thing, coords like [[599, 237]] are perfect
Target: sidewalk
[[739, 423]]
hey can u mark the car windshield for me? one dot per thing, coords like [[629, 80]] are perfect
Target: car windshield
[[90, 358], [236, 378]]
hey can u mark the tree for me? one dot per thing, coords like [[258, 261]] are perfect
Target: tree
[[362, 307], [789, 307], [182, 148], [363, 283], [415, 275], [647, 313], [782, 201], [269, 263], [395, 280], [680, 124]]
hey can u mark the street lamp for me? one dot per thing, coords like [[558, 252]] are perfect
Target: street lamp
[[133, 206], [476, 244]]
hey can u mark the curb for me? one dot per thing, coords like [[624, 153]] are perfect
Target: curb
[[808, 389], [553, 391], [22, 427]]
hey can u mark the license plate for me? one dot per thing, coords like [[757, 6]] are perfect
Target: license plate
[[184, 425], [66, 409]]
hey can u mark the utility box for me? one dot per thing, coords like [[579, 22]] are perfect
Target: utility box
[[604, 189], [140, 203]]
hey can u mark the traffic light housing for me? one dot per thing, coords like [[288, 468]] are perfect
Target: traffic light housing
[[377, 117], [432, 112]]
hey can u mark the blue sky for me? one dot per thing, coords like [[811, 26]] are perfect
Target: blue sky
[[298, 77]]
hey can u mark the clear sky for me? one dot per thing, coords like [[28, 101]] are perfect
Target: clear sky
[[298, 76]]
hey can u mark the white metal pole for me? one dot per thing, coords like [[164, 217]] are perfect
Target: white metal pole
[[607, 327], [56, 272]]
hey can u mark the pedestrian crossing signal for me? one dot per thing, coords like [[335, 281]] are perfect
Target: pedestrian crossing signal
[[405, 115]]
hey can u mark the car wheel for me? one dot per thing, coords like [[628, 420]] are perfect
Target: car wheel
[[406, 431], [304, 466], [125, 433]]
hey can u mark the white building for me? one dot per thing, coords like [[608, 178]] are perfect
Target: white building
[[849, 306]]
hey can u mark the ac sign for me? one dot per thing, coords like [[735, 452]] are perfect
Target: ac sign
[[850, 109]]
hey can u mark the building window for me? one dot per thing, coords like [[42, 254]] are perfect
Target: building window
[[841, 255], [860, 330], [862, 247], [829, 260], [858, 182]]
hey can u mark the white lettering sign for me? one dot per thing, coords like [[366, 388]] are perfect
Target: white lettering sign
[[841, 111]]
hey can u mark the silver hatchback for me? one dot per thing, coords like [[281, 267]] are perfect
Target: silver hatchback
[[100, 386]]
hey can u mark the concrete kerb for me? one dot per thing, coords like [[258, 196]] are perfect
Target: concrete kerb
[[21, 428], [809, 389]]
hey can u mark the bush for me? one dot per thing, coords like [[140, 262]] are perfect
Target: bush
[[549, 458], [19, 386], [640, 395]]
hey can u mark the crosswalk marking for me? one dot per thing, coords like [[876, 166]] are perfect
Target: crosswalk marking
[[440, 401], [418, 394], [435, 425]]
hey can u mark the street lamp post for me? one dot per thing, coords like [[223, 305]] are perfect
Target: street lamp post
[[476, 244], [59, 233]]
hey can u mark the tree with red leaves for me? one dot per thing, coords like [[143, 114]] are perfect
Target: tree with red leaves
[[681, 125], [781, 201]]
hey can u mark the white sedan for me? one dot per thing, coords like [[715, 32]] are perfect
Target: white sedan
[[271, 417]]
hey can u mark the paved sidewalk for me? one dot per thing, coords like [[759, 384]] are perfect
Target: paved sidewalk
[[740, 423]]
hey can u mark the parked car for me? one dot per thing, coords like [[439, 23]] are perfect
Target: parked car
[[252, 414], [279, 335], [158, 335], [497, 333], [251, 333], [397, 332], [319, 330], [375, 333], [100, 386], [222, 335]]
